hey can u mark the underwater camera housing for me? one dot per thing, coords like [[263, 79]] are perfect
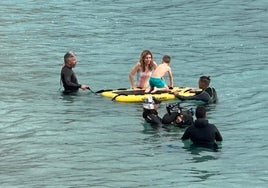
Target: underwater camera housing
[[175, 107], [173, 111]]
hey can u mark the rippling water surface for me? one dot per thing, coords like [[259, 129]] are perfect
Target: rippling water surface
[[51, 140]]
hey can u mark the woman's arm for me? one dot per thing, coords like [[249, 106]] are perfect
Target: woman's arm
[[133, 71]]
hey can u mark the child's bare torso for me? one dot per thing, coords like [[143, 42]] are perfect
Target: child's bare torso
[[161, 70]]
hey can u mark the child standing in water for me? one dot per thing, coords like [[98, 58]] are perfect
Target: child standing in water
[[156, 80]]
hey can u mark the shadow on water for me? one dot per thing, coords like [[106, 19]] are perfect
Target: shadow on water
[[68, 97], [204, 153], [196, 149], [203, 175], [198, 155], [71, 96], [161, 134], [153, 129], [201, 155]]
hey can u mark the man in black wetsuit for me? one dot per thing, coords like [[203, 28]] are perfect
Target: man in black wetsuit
[[68, 78], [150, 113], [206, 94], [202, 133], [176, 116]]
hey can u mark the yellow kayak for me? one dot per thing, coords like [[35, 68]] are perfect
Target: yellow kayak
[[136, 96]]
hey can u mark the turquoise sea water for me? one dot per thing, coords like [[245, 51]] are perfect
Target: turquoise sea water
[[51, 140]]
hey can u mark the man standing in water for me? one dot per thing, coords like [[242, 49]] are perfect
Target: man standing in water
[[202, 133], [68, 78]]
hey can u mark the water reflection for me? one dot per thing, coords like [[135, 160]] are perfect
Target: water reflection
[[151, 129], [196, 149], [203, 175], [199, 157], [202, 156], [68, 97]]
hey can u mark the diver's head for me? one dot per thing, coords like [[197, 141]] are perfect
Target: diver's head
[[200, 112], [204, 82], [151, 103]]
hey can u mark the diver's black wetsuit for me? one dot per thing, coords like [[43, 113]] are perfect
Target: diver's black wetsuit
[[151, 116], [209, 95], [170, 118], [69, 80], [203, 134]]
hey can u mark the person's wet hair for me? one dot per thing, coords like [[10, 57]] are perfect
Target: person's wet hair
[[68, 55], [200, 112], [205, 79]]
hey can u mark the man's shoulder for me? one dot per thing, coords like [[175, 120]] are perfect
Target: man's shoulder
[[65, 68], [190, 128], [212, 125], [210, 89]]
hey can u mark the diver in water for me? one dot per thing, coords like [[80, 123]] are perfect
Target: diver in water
[[150, 113], [178, 116], [205, 93], [175, 114]]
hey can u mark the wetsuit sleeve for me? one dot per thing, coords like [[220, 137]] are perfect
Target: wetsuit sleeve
[[186, 134], [218, 136], [215, 96], [169, 118], [73, 85], [153, 119], [67, 79], [204, 96]]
